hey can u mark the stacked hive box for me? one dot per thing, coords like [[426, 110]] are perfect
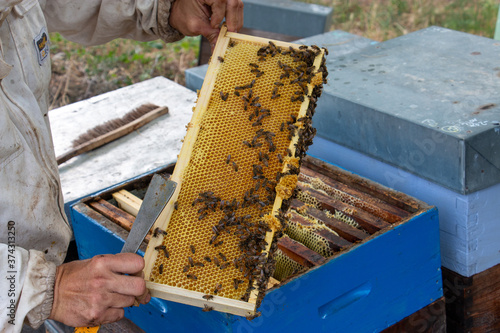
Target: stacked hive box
[[420, 114]]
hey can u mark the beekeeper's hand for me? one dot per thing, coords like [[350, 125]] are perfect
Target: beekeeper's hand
[[95, 291], [203, 17]]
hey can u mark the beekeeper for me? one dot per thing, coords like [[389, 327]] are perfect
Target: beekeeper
[[34, 232]]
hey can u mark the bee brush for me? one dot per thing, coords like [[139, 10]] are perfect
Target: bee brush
[[113, 129]]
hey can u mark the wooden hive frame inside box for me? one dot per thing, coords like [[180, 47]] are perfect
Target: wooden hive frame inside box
[[279, 114]]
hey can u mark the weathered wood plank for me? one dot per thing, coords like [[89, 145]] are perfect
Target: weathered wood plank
[[335, 242], [122, 218], [300, 253], [357, 198], [367, 221], [472, 303], [115, 214], [344, 230], [392, 197], [127, 201]]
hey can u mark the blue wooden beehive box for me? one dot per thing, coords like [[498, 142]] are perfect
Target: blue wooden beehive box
[[380, 273]]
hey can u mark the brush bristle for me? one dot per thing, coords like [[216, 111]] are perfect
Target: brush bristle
[[113, 124]]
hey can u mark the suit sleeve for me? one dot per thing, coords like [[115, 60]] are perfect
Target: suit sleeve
[[93, 22], [27, 288]]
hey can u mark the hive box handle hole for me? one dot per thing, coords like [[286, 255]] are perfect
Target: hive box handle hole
[[344, 300]]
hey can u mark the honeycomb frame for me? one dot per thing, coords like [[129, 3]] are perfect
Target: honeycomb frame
[[183, 294]]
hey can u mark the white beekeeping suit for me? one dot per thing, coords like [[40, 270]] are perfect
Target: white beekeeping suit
[[34, 232]]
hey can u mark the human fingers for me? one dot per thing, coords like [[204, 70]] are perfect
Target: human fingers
[[120, 301], [145, 298], [128, 285], [124, 263], [218, 12], [234, 15], [82, 296], [190, 17]]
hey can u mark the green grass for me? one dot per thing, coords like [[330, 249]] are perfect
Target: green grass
[[476, 17], [385, 19], [81, 72], [150, 57]]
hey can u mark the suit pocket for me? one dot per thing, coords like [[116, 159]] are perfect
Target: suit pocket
[[10, 140]]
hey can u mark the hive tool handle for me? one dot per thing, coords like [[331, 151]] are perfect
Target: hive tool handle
[[159, 192]]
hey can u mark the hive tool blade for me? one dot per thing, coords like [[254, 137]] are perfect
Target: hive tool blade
[[159, 192]]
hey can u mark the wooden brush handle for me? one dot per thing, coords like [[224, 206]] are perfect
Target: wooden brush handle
[[113, 135]]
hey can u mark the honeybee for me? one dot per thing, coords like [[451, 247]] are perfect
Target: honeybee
[[218, 288], [252, 317], [207, 308], [158, 231], [237, 283], [224, 96], [164, 249], [208, 297]]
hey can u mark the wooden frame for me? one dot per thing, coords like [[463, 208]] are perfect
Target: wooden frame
[[128, 202], [175, 294], [472, 302]]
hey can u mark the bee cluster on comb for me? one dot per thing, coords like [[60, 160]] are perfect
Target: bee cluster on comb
[[237, 172]]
